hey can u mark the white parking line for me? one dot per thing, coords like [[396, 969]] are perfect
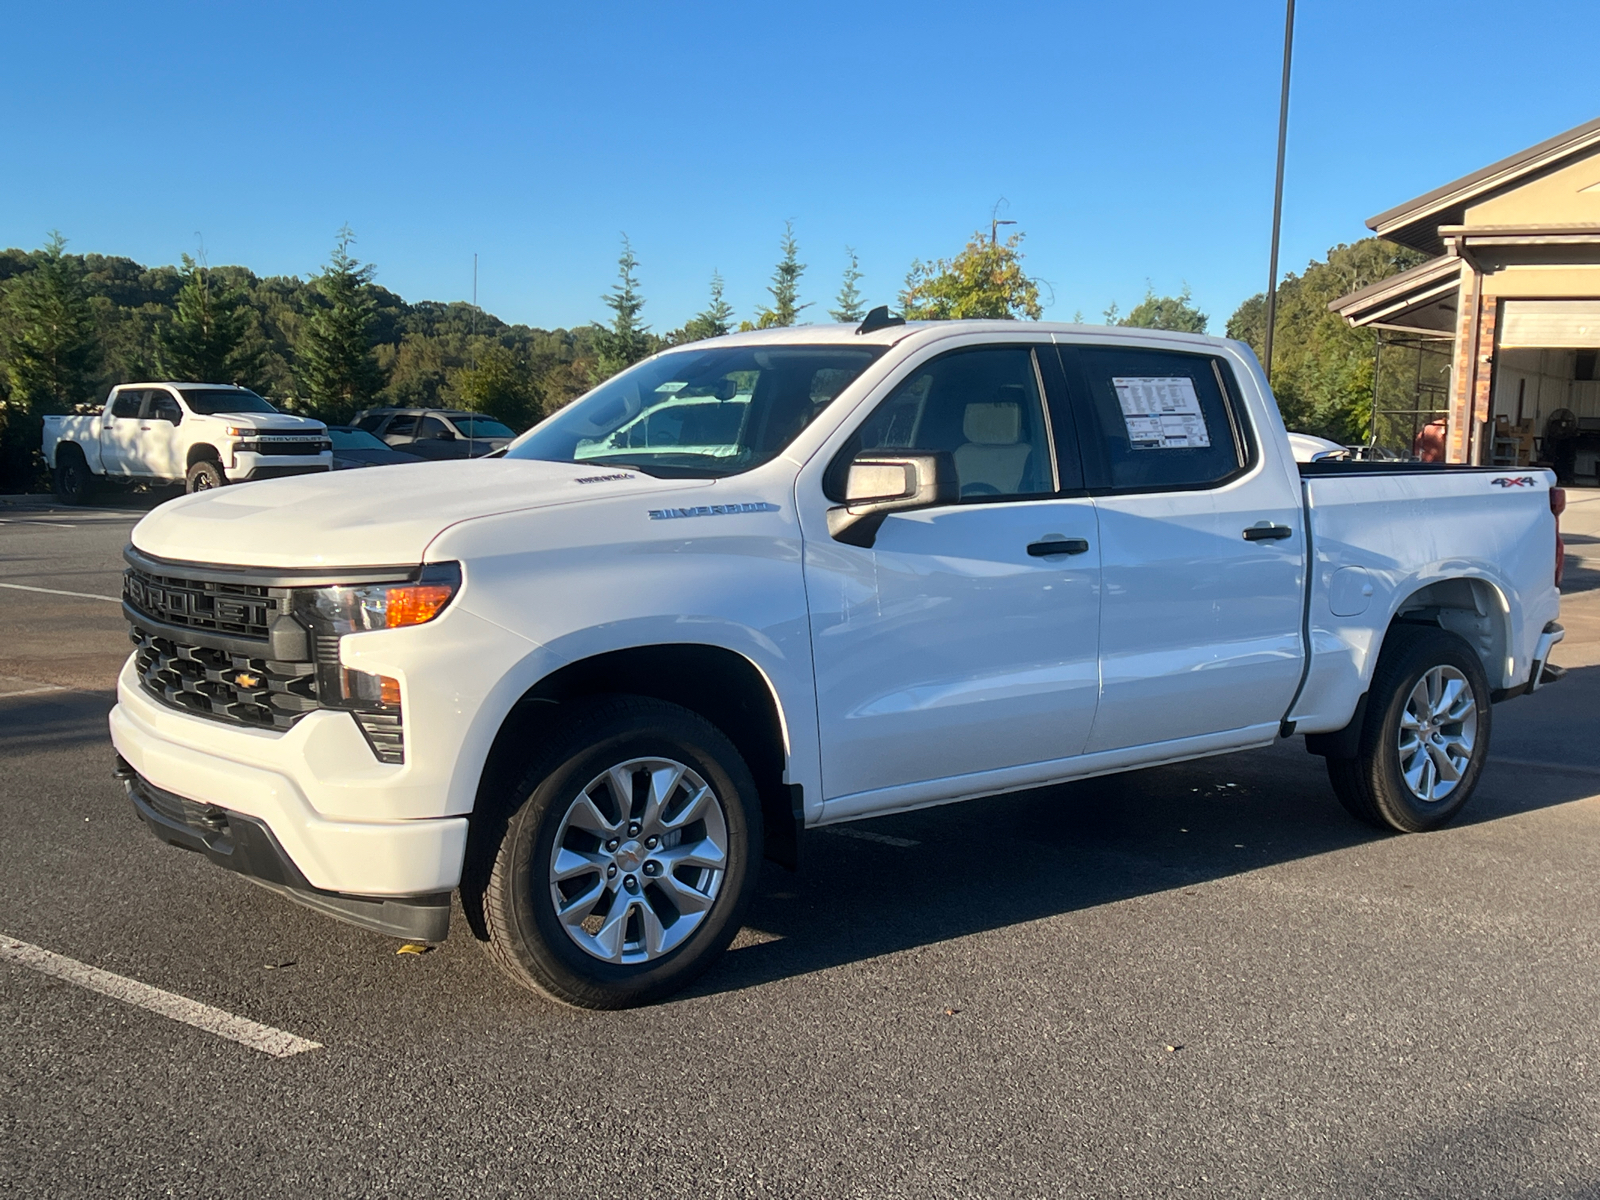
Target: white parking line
[[864, 835], [22, 587], [28, 521], [30, 687], [168, 1004]]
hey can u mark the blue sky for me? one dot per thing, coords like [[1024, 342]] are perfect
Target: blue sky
[[1132, 141]]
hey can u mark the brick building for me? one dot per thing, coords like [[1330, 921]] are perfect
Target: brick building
[[1513, 294]]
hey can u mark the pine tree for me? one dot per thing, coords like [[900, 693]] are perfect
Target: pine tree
[[627, 340], [785, 287], [716, 320], [337, 367], [850, 308], [52, 348], [206, 340]]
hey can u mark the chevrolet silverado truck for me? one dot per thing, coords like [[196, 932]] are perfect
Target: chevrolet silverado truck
[[593, 684], [203, 435]]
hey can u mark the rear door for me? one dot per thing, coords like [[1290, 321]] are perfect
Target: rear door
[[1202, 550], [119, 432]]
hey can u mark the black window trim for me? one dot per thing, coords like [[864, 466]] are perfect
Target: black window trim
[[1097, 470], [1048, 401]]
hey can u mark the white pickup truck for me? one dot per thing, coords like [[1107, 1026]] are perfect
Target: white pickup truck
[[592, 685], [203, 435]]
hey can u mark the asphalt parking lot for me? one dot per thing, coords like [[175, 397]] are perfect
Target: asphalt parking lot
[[1202, 979]]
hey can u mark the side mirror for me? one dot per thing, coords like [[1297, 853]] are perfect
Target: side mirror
[[880, 484]]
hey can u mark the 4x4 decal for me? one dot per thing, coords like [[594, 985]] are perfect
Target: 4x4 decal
[[1509, 481]]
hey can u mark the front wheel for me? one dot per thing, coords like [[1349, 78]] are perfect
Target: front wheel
[[1425, 736], [204, 476], [628, 858]]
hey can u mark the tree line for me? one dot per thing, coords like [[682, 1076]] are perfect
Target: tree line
[[72, 326]]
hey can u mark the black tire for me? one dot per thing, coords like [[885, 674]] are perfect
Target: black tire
[[1372, 785], [75, 484], [203, 476], [508, 888]]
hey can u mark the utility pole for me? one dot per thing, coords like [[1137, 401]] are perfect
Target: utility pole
[[475, 292], [995, 222], [1277, 194]]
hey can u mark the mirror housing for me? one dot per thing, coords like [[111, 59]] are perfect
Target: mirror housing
[[879, 484]]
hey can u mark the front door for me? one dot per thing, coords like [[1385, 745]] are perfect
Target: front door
[[961, 642], [1200, 630]]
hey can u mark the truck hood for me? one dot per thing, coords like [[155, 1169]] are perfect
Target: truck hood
[[276, 422], [370, 518]]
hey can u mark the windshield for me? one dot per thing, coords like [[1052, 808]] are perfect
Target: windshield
[[708, 413], [208, 402], [353, 439], [482, 427]]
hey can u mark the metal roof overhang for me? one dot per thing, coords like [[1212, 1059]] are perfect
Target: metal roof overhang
[[1416, 222], [1419, 301]]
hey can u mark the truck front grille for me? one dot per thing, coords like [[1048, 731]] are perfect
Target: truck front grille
[[231, 687], [238, 609], [300, 446]]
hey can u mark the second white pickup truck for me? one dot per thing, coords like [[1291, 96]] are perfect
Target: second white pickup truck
[[203, 435], [593, 683]]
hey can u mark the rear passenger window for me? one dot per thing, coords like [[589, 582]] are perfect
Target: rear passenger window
[[982, 406], [1163, 418], [126, 403]]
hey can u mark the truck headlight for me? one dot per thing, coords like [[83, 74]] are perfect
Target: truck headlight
[[334, 612]]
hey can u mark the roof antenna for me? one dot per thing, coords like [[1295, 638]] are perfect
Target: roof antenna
[[877, 319]]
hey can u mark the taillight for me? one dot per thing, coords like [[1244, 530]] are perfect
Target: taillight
[[1558, 505]]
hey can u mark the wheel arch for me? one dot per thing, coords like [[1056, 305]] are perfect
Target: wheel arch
[[725, 687], [202, 452], [1473, 608]]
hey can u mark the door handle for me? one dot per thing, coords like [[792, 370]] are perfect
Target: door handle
[[1054, 546], [1267, 533]]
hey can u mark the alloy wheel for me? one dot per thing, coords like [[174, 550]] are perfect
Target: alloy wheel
[[1438, 733], [639, 859]]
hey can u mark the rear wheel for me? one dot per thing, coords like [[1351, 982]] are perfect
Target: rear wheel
[[204, 476], [1425, 736], [628, 857], [74, 483]]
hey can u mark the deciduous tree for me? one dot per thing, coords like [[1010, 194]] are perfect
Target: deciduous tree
[[500, 385], [1322, 369], [985, 280], [1165, 312]]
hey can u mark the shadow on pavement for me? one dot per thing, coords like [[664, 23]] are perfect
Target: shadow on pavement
[[993, 863], [55, 721]]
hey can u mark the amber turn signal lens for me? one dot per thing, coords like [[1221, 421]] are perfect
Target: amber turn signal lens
[[415, 604]]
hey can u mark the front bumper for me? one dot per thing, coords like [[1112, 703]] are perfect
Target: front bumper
[[246, 844], [271, 778], [248, 465]]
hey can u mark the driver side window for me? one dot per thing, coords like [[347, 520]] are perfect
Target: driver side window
[[983, 407]]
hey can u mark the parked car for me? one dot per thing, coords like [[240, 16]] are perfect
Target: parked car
[[593, 689], [1308, 447], [354, 447], [436, 432], [203, 435]]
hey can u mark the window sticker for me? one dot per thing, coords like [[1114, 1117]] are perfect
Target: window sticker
[[1162, 413]]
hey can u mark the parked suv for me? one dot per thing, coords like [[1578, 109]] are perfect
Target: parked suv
[[436, 432]]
